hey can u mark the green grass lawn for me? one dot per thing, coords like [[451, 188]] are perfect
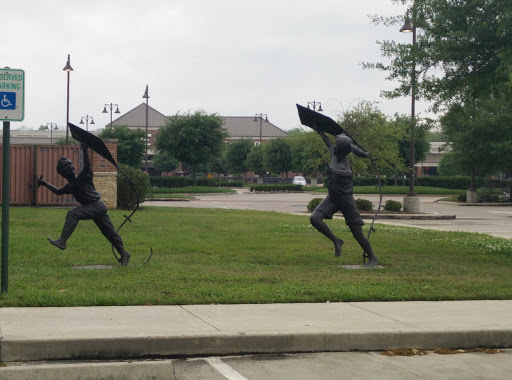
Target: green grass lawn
[[204, 256], [423, 190]]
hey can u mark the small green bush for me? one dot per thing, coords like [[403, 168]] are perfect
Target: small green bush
[[392, 205], [126, 198], [313, 203], [364, 204], [462, 197]]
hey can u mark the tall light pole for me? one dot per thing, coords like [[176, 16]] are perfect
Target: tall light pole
[[67, 68], [110, 107], [411, 201], [87, 118], [146, 96], [51, 127], [260, 116], [314, 104]]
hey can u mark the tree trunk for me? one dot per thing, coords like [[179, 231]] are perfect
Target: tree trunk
[[194, 181]]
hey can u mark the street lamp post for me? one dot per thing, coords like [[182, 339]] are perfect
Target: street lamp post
[[260, 116], [314, 104], [110, 107], [51, 127], [411, 201], [146, 96], [87, 117], [67, 68]]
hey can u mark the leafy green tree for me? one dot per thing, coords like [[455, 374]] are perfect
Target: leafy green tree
[[255, 161], [376, 133], [421, 143], [452, 164], [462, 58], [236, 155], [309, 152], [164, 162], [130, 144], [277, 155], [194, 138]]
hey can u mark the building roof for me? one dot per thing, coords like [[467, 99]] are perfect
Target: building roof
[[136, 118], [34, 137], [236, 126], [433, 157], [249, 126]]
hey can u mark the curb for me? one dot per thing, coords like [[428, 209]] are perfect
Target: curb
[[226, 344], [410, 216]]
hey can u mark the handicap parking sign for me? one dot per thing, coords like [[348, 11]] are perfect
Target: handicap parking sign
[[8, 100], [12, 94]]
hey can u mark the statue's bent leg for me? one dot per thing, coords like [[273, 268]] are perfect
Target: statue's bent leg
[[72, 218], [107, 229], [363, 241], [316, 220]]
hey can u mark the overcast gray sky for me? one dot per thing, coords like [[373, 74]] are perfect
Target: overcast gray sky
[[231, 57]]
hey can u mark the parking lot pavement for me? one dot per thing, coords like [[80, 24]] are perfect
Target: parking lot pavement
[[493, 220]]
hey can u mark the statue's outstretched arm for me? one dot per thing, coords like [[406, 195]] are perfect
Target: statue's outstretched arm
[[54, 189], [359, 152]]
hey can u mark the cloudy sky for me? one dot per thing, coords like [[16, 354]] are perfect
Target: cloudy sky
[[231, 57]]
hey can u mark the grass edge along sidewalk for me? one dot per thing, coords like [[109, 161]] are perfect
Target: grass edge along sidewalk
[[205, 256]]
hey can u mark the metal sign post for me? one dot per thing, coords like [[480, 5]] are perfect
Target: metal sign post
[[5, 206], [12, 108]]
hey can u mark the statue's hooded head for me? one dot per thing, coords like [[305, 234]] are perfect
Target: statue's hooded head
[[65, 167], [343, 144]]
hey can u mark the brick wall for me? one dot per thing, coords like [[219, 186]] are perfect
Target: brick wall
[[105, 175]]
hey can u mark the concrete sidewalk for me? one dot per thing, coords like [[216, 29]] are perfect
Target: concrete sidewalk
[[79, 333]]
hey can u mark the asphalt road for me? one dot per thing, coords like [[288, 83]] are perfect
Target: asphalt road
[[494, 220], [306, 366]]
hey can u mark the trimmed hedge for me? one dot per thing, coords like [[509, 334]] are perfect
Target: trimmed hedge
[[164, 181], [455, 182], [229, 184], [268, 188]]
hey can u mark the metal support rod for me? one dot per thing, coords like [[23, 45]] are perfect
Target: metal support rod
[[67, 115], [412, 193], [146, 96], [5, 205]]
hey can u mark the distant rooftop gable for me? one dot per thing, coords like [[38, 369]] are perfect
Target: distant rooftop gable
[[136, 118], [237, 126], [248, 126]]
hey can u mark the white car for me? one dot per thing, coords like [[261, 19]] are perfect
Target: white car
[[299, 180]]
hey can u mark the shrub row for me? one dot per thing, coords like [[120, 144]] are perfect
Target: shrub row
[[276, 188], [456, 182], [164, 181], [362, 204], [229, 184], [172, 182]]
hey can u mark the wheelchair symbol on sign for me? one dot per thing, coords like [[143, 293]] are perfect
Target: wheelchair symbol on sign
[[8, 100], [5, 102]]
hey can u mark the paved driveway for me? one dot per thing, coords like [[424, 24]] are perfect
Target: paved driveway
[[494, 220]]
